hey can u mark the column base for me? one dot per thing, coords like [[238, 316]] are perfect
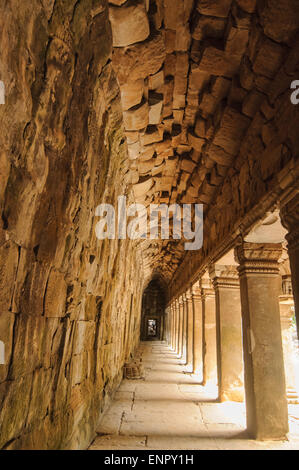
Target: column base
[[292, 396], [270, 438], [237, 395], [198, 377]]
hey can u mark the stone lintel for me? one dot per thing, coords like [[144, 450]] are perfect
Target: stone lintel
[[290, 220]]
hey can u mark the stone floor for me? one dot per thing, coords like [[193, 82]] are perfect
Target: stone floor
[[169, 410]]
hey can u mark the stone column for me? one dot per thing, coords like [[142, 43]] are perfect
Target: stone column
[[177, 327], [181, 326], [290, 219], [172, 325], [229, 333], [190, 330], [198, 332], [168, 325], [185, 329], [209, 334], [286, 302], [164, 325], [266, 404]]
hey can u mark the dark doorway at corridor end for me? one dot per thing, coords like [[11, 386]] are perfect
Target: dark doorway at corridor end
[[153, 312]]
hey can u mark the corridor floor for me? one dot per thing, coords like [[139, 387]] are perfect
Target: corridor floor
[[168, 410]]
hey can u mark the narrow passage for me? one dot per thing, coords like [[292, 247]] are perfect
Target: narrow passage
[[168, 409]]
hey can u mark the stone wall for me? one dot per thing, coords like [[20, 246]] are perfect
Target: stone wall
[[181, 101], [68, 303]]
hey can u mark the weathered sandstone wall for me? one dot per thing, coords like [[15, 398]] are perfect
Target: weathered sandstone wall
[[68, 303]]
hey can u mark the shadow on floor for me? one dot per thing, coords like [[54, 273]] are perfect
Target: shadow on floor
[[168, 409]]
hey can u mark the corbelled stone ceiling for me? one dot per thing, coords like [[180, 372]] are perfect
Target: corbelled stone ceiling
[[192, 74]]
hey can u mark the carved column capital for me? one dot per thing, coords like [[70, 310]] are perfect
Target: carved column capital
[[189, 295], [224, 276], [290, 220], [196, 291], [207, 289], [258, 258]]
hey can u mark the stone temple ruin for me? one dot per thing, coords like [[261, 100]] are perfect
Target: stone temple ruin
[[164, 102]]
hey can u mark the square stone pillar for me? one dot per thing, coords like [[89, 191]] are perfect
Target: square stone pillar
[[229, 333], [177, 325], [190, 330], [197, 332], [172, 325], [169, 320], [185, 329], [286, 302], [181, 326], [290, 220], [169, 325], [209, 334], [266, 404], [165, 329]]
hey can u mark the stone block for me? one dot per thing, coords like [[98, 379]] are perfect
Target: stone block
[[131, 94], [231, 131], [268, 59], [137, 118], [127, 63], [129, 24], [218, 8], [8, 267], [7, 320], [55, 297], [217, 62], [280, 20]]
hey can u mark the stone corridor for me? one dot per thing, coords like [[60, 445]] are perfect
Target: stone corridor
[[168, 409]]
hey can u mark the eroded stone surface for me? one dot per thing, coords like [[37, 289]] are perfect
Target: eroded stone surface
[[61, 141], [129, 23], [191, 105]]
